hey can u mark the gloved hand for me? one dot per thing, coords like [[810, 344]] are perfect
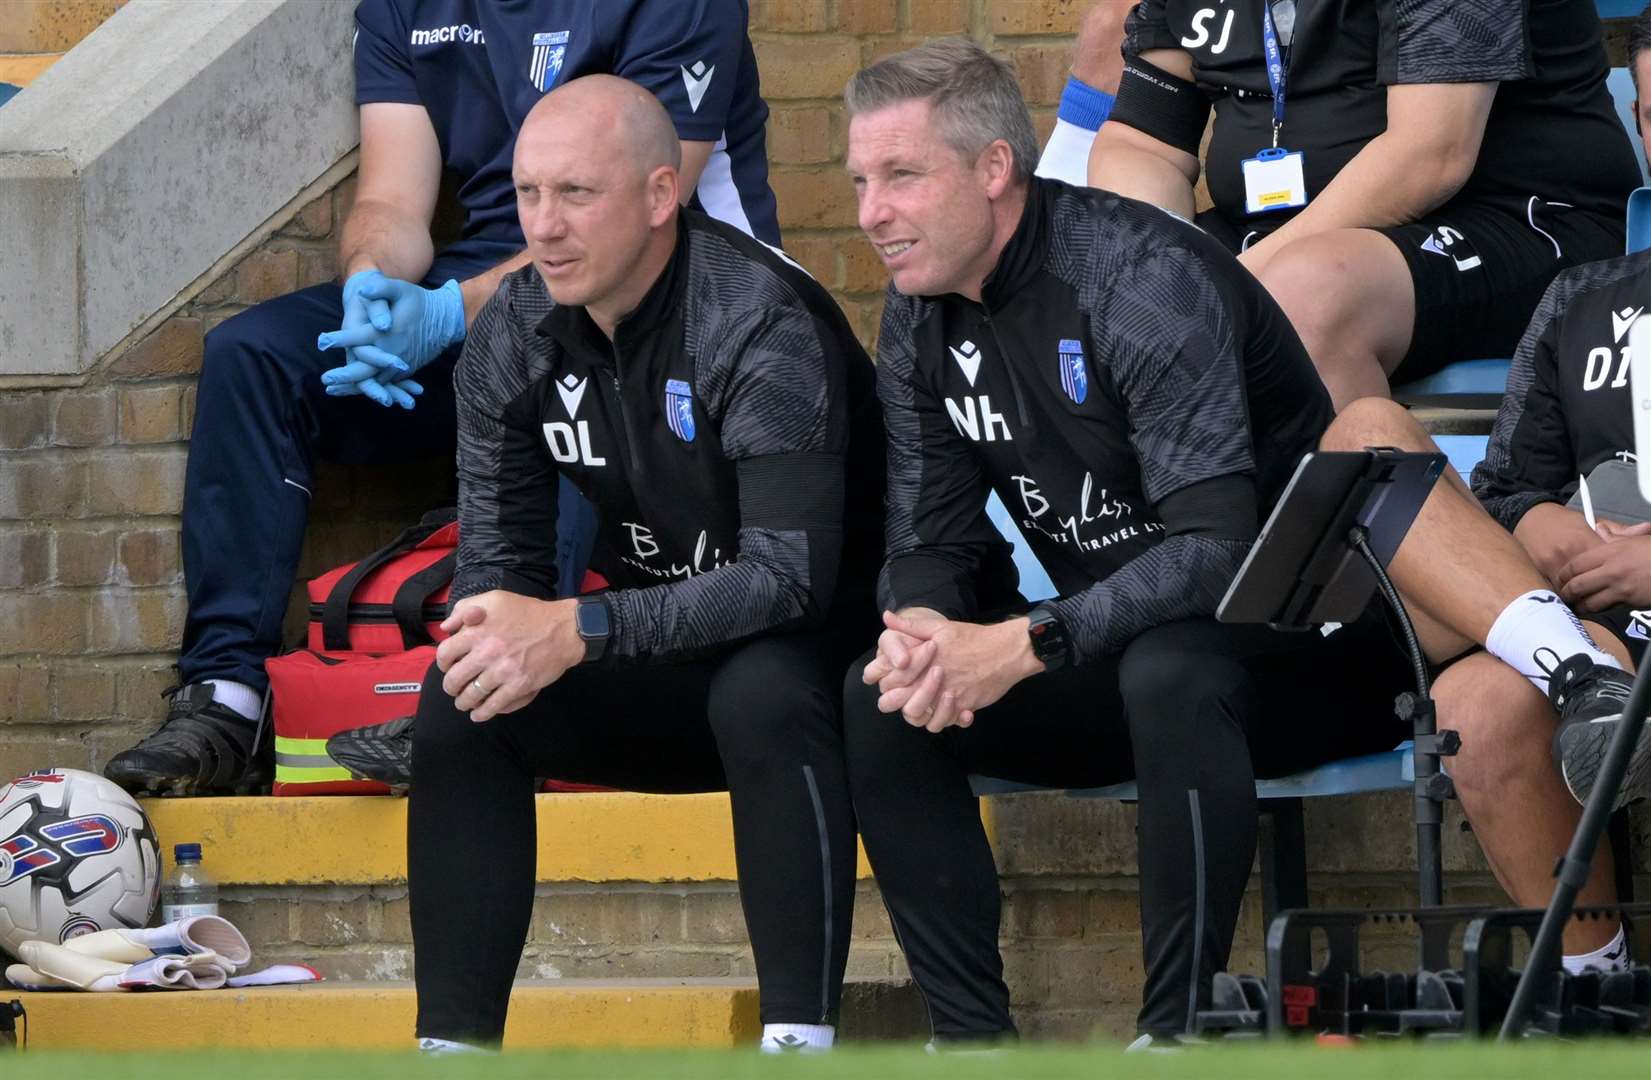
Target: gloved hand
[[424, 323]]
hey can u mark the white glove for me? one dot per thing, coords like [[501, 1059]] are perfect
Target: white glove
[[69, 969], [187, 937]]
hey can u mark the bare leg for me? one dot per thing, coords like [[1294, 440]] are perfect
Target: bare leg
[[1349, 295], [1522, 814], [1457, 568]]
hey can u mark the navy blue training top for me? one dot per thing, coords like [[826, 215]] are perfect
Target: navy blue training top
[[478, 66]]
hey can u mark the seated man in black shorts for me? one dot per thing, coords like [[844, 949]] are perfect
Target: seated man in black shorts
[[1138, 401], [1567, 411], [709, 398], [1405, 179]]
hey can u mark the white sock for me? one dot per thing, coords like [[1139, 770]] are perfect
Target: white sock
[[1083, 110], [779, 1038], [1612, 956], [238, 696], [1536, 632], [447, 1046]]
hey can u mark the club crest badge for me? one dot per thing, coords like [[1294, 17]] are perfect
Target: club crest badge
[[548, 52], [679, 409], [1074, 376]]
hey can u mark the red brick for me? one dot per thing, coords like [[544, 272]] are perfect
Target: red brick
[[264, 275], [39, 487], [135, 621], [23, 420], [25, 558], [174, 348], [149, 557], [317, 267], [812, 67], [862, 270], [817, 254], [314, 220], [83, 418], [83, 692], [151, 414], [83, 556], [219, 292]]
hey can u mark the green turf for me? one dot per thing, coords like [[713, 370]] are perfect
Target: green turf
[[1406, 1061]]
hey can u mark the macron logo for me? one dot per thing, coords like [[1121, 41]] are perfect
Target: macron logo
[[1621, 321], [697, 79], [442, 35], [968, 359], [573, 392]]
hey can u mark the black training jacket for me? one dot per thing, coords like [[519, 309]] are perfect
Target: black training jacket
[[1120, 359], [1567, 407], [728, 437]]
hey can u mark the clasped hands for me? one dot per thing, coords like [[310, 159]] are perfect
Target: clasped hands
[[504, 649], [938, 672], [391, 329], [1610, 574]]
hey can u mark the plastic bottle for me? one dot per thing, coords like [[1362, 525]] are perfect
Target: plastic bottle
[[188, 890]]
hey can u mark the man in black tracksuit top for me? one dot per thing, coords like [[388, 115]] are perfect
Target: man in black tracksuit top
[[1138, 402], [711, 401]]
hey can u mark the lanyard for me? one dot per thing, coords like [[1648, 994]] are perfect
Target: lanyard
[[1278, 66]]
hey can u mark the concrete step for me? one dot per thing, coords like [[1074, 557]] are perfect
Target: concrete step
[[611, 1014], [23, 69], [37, 26], [362, 840]]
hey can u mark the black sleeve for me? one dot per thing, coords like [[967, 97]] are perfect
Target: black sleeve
[[1154, 102], [1147, 27], [783, 423], [939, 536], [1530, 459], [1454, 41], [508, 484], [1209, 527]]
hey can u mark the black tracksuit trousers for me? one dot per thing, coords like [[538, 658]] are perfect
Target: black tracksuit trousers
[[762, 720], [1194, 711]]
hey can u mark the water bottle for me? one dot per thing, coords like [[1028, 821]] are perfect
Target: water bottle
[[188, 890]]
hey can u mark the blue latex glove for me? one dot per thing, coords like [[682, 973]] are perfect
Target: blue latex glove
[[360, 311], [424, 323]]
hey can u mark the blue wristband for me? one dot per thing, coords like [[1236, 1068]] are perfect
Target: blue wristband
[[1084, 105]]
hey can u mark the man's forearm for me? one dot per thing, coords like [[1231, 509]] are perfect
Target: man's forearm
[[480, 289], [1389, 182], [379, 236]]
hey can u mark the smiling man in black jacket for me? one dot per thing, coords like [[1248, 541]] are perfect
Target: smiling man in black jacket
[[1138, 402], [711, 401]]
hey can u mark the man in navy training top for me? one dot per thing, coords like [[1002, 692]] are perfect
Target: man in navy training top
[[443, 86]]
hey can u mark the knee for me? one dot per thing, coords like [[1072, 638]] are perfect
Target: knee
[[1505, 726], [1173, 693], [767, 712], [1317, 289], [440, 730], [1374, 421], [873, 741], [254, 351]]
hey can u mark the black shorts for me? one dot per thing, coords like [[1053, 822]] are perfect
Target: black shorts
[[1631, 628], [1478, 269]]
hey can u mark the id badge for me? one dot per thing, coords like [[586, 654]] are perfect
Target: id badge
[[1273, 180]]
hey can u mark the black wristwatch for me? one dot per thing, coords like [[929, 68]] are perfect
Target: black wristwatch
[[1048, 636], [594, 622]]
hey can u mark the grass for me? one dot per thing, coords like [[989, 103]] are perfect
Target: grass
[[1250, 1061]]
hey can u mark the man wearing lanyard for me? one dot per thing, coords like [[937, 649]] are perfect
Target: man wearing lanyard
[[1405, 180]]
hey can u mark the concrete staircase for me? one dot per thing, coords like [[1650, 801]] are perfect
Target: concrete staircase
[[637, 938]]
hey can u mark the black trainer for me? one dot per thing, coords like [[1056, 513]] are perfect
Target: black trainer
[[1590, 699], [382, 752], [201, 748]]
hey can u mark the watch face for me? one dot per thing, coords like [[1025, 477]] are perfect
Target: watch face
[[591, 619]]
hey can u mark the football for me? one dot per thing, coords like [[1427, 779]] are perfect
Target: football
[[77, 855]]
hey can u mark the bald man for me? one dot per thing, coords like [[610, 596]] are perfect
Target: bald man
[[711, 401]]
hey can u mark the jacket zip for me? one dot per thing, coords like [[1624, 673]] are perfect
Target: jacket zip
[[1009, 369]]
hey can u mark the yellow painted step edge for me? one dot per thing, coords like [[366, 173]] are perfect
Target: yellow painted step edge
[[362, 840], [23, 70], [372, 1016]]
